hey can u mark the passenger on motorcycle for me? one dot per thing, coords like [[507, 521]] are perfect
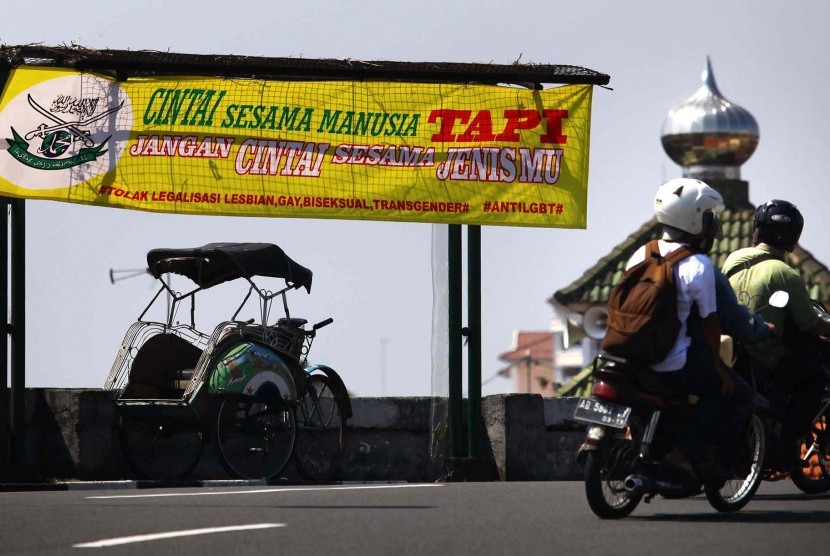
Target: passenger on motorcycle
[[790, 360], [689, 211], [744, 328]]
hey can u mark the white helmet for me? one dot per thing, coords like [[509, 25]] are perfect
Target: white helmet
[[682, 202]]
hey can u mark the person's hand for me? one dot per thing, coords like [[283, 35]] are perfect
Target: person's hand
[[727, 386]]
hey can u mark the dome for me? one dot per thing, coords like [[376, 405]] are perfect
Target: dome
[[709, 136]]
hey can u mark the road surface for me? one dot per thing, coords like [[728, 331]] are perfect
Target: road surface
[[401, 519]]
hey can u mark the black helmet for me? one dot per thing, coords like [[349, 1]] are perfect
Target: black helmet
[[778, 223]]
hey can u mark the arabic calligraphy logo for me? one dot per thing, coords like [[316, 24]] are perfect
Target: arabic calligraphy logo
[[58, 135], [64, 131]]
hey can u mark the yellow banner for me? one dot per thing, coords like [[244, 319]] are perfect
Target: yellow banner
[[440, 153]]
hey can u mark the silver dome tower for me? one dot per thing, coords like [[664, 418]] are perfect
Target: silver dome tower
[[709, 136]]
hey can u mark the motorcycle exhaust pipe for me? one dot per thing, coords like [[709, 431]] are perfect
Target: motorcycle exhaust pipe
[[640, 483], [634, 483]]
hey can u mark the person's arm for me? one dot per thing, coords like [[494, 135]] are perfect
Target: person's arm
[[703, 291], [802, 311], [711, 335]]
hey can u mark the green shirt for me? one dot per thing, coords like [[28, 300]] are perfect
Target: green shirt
[[755, 285]]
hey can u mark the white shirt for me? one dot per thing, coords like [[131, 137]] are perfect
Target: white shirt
[[694, 277]]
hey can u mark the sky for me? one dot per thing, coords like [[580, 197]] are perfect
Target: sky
[[375, 278]]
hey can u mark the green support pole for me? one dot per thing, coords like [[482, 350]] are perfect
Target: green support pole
[[474, 339], [454, 410], [5, 400], [18, 327], [5, 409]]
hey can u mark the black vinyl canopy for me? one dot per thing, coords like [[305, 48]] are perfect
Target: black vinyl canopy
[[215, 263]]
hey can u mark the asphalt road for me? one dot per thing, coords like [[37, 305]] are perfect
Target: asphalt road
[[401, 519]]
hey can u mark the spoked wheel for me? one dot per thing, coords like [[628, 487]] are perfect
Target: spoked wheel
[[736, 493], [814, 449], [161, 452], [254, 437], [321, 435], [605, 471]]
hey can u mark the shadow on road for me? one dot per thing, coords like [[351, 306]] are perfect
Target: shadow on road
[[744, 516], [791, 497]]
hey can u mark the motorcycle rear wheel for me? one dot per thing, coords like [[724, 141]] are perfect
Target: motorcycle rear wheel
[[737, 493], [814, 479], [605, 471]]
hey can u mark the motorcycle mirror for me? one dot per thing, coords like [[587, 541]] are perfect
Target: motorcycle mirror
[[779, 299]]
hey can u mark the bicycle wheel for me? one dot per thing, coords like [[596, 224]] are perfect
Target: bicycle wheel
[[254, 437], [321, 435], [737, 493], [814, 448], [160, 452]]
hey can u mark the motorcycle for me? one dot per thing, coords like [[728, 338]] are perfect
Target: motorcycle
[[813, 448], [632, 424]]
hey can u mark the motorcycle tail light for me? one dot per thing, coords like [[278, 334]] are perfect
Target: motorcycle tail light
[[607, 392]]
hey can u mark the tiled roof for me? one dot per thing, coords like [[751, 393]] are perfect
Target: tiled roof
[[594, 286], [579, 385]]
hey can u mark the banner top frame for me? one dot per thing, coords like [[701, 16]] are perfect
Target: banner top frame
[[123, 64]]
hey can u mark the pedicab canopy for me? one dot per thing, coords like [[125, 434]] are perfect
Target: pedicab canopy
[[235, 135], [215, 263]]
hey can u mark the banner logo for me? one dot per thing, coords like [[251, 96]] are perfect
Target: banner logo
[[63, 129]]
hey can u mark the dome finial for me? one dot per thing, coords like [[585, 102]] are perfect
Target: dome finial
[[708, 78]]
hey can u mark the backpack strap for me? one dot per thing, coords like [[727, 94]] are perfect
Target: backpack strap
[[750, 263], [653, 250]]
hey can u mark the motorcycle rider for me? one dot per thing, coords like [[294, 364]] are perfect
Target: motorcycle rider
[[791, 359], [689, 211], [736, 320]]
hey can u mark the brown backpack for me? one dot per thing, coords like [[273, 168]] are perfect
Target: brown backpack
[[642, 309]]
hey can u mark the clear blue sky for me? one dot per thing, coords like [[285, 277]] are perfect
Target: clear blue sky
[[374, 278]]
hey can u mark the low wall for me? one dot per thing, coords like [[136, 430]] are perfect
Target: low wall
[[73, 434]]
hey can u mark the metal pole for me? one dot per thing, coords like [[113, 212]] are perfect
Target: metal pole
[[18, 327], [5, 409], [454, 311], [474, 338]]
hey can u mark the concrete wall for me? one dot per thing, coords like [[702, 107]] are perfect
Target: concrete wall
[[73, 434], [532, 438]]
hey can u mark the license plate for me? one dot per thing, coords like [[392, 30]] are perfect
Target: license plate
[[602, 413]]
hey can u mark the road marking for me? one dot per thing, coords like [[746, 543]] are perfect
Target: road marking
[[173, 534], [263, 491]]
